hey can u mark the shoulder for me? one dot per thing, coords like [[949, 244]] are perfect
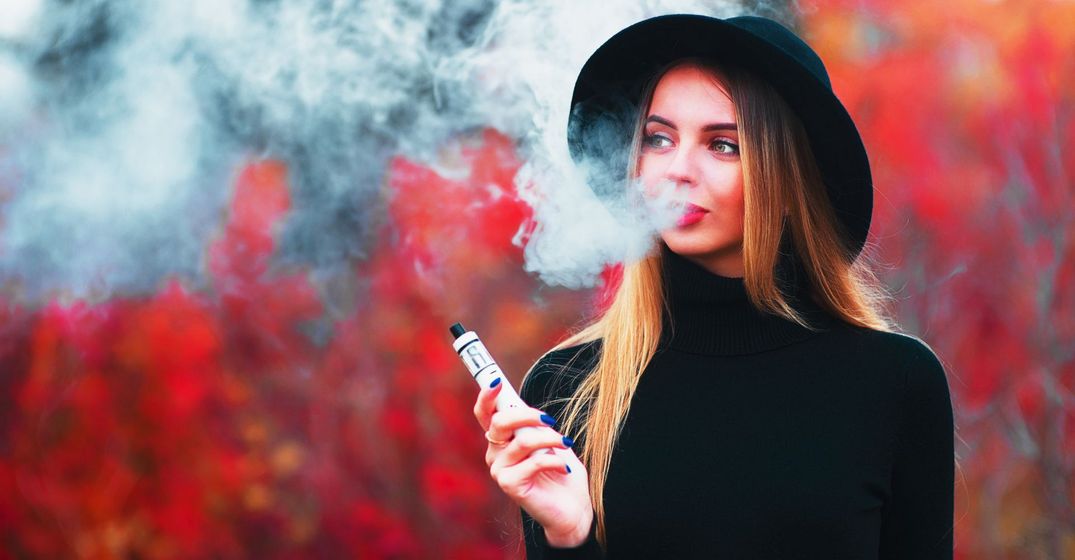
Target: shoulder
[[901, 349], [557, 373], [883, 348], [921, 371]]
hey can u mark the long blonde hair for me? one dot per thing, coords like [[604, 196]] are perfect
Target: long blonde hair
[[779, 171]]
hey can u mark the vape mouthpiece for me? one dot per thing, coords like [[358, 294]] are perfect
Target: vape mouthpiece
[[457, 330]]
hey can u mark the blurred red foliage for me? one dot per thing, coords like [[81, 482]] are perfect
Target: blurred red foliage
[[254, 419], [212, 425]]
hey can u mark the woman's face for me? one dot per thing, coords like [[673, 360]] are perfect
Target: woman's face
[[690, 139]]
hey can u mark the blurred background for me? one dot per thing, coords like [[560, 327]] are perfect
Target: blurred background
[[233, 235]]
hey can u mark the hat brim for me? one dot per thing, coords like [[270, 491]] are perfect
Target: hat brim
[[620, 66]]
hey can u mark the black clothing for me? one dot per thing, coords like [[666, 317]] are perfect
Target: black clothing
[[752, 437]]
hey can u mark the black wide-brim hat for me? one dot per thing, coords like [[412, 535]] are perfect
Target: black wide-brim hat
[[609, 88]]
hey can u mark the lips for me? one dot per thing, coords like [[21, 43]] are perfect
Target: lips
[[691, 214]]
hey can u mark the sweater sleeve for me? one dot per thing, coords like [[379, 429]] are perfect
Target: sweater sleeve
[[538, 389], [537, 548], [917, 519]]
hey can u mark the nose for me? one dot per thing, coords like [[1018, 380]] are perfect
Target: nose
[[682, 170]]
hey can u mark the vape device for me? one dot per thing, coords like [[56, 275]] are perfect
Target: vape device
[[484, 370]]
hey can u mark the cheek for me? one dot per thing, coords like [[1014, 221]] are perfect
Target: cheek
[[726, 188], [645, 169], [649, 177]]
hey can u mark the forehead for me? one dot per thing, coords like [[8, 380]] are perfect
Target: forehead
[[691, 94]]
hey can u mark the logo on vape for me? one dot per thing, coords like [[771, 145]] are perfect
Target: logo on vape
[[477, 357]]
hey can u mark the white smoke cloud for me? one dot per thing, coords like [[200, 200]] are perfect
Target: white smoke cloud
[[17, 18], [16, 95], [122, 123]]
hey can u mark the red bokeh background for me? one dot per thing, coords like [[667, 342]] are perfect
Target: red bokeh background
[[215, 423]]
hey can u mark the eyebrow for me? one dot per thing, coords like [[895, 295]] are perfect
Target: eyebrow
[[706, 128]]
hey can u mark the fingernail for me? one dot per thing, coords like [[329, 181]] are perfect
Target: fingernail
[[568, 469], [494, 383], [568, 441], [548, 419]]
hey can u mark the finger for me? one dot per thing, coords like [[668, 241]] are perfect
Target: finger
[[494, 449], [526, 442], [485, 406], [503, 423], [512, 480]]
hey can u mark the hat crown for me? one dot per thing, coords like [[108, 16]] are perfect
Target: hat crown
[[787, 41]]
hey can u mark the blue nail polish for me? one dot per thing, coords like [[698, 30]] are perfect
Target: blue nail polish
[[568, 469], [568, 441], [548, 419], [494, 383]]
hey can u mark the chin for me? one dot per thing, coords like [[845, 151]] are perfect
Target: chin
[[688, 245]]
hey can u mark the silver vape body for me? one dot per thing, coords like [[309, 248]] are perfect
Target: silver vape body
[[484, 370]]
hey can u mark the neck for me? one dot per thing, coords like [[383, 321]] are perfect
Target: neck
[[713, 314], [726, 265]]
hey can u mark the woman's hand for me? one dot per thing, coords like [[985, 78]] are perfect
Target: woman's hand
[[557, 499]]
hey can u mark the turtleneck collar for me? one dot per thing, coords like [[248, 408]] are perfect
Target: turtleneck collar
[[713, 315]]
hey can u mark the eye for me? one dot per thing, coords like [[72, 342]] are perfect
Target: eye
[[725, 147], [653, 140]]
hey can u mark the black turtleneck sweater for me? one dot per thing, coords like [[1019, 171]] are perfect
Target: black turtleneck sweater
[[752, 437]]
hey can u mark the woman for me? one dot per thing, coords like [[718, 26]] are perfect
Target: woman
[[744, 395]]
